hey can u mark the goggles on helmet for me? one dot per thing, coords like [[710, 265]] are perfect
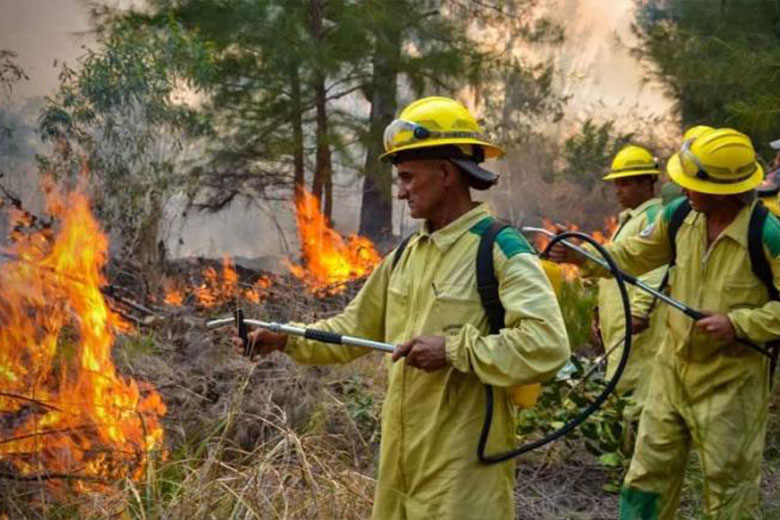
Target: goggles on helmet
[[401, 133], [688, 159]]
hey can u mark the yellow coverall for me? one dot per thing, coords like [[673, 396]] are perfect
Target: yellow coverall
[[636, 376], [706, 393], [428, 467]]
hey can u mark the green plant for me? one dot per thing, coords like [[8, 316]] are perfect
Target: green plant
[[578, 298]]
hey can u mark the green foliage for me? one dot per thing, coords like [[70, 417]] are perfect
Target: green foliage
[[136, 345], [266, 64], [117, 119], [588, 154], [12, 121], [516, 95], [10, 72], [719, 59], [577, 302], [363, 409]]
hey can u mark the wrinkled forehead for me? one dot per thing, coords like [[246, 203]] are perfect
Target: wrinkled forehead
[[419, 167]]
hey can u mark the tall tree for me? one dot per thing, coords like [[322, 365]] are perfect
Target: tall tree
[[376, 210], [277, 68], [322, 185], [719, 59], [281, 69], [436, 46]]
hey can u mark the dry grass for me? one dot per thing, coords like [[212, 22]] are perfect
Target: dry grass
[[275, 440]]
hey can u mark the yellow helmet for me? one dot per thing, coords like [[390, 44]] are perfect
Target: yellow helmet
[[632, 160], [436, 121], [718, 162], [441, 128], [695, 131]]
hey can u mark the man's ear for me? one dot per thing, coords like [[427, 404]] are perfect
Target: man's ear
[[451, 174]]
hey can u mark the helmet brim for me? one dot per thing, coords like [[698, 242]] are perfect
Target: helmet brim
[[481, 179], [634, 173], [675, 170], [491, 151]]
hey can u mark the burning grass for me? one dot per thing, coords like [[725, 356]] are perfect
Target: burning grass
[[215, 286], [274, 439], [329, 260], [278, 440], [66, 415]]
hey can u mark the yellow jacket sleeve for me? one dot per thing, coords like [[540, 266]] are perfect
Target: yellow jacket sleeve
[[640, 253], [760, 324], [642, 301], [363, 317], [532, 346]]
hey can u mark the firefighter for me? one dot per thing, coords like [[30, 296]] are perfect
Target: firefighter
[[769, 191], [670, 190], [425, 299], [633, 173], [707, 390]]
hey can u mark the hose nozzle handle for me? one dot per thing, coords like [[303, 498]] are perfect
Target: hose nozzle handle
[[238, 316]]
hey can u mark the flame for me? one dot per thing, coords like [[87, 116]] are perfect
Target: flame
[[610, 226], [217, 289], [329, 261], [65, 410], [570, 271], [174, 295]]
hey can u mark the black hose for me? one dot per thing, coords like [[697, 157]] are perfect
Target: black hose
[[588, 411]]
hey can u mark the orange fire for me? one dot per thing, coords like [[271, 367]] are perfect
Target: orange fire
[[570, 271], [610, 225], [174, 295], [66, 412], [329, 261], [217, 289]]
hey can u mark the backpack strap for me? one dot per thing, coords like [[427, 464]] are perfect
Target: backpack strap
[[758, 261], [676, 220], [761, 268], [487, 284], [399, 251]]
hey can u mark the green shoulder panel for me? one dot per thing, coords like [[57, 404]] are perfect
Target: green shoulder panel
[[509, 239], [670, 208], [512, 243], [652, 212], [480, 227], [771, 235]]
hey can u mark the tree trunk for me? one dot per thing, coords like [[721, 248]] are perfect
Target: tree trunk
[[376, 212], [323, 170], [147, 249], [297, 128]]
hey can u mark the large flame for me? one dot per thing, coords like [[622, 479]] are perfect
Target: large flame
[[328, 259], [65, 412]]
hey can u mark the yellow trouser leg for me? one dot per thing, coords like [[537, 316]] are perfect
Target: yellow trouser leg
[[729, 427], [651, 489]]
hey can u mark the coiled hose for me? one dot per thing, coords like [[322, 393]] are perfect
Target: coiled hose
[[596, 404]]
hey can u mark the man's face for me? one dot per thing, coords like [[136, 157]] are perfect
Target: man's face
[[704, 202], [423, 185], [632, 191]]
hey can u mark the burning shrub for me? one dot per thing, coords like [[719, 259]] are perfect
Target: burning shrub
[[65, 412]]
